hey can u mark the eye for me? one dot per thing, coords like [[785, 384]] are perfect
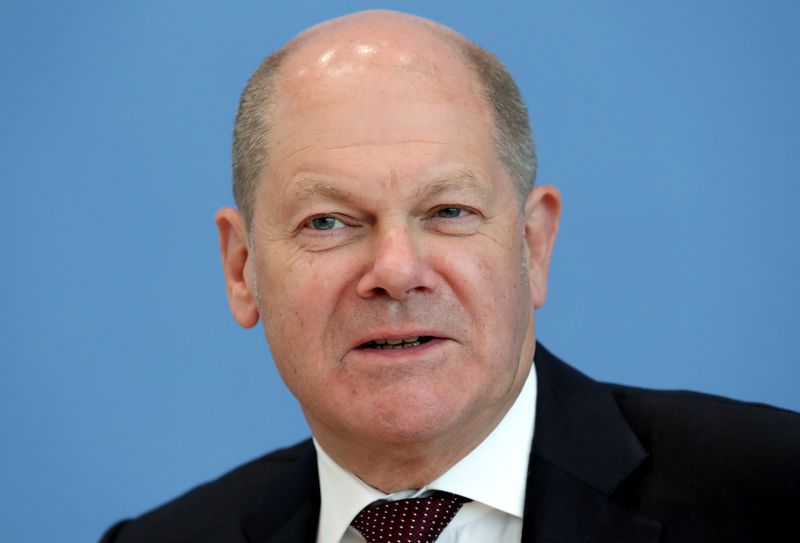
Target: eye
[[451, 212], [456, 220], [325, 223]]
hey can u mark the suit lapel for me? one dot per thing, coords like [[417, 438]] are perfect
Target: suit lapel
[[289, 511], [301, 526], [583, 448]]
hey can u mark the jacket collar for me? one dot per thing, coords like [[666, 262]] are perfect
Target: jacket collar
[[289, 510], [583, 448]]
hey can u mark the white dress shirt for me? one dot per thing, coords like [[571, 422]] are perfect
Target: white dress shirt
[[493, 475]]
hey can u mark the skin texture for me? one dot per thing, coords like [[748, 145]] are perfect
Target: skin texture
[[384, 212]]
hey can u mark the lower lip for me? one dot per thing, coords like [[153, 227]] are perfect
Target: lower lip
[[405, 352]]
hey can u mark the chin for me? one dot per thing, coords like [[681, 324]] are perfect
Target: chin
[[415, 422]]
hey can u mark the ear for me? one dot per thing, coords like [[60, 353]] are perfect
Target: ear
[[237, 266], [542, 213]]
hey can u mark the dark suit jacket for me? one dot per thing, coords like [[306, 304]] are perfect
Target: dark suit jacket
[[609, 463]]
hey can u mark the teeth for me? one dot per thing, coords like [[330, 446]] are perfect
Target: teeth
[[397, 341], [394, 343]]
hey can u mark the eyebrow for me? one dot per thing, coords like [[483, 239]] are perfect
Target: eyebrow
[[308, 189], [461, 180]]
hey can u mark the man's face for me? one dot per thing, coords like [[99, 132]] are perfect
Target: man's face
[[389, 250]]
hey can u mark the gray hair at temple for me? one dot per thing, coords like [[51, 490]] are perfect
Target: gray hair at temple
[[512, 131]]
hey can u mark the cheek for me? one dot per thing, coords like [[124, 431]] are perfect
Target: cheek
[[289, 287], [299, 301], [491, 285], [485, 275]]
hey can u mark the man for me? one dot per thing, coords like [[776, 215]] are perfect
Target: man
[[390, 242]]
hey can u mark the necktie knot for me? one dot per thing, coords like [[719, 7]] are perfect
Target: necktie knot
[[413, 520]]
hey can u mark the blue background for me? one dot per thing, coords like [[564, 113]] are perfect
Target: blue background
[[671, 128]]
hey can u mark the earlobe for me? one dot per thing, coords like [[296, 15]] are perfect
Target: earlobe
[[236, 265], [542, 214]]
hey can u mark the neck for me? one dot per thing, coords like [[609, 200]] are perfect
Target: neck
[[390, 468], [393, 466]]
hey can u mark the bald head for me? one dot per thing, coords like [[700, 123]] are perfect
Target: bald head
[[362, 51]]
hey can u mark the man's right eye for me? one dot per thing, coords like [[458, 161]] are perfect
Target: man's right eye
[[325, 223]]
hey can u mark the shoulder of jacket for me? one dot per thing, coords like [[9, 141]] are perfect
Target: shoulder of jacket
[[212, 507]]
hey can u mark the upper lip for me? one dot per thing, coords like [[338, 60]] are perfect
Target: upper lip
[[399, 333]]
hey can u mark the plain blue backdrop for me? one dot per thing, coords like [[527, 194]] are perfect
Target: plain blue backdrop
[[672, 129]]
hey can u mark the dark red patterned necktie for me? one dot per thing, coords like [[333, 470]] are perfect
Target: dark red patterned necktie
[[414, 520]]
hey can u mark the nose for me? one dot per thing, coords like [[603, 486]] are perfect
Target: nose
[[398, 265]]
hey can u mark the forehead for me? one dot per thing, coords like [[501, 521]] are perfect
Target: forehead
[[404, 100], [366, 66]]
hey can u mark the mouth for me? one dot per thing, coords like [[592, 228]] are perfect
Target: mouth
[[396, 343]]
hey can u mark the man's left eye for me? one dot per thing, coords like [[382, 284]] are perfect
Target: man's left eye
[[325, 223], [450, 212]]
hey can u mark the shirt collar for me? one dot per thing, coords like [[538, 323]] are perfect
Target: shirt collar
[[494, 473]]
